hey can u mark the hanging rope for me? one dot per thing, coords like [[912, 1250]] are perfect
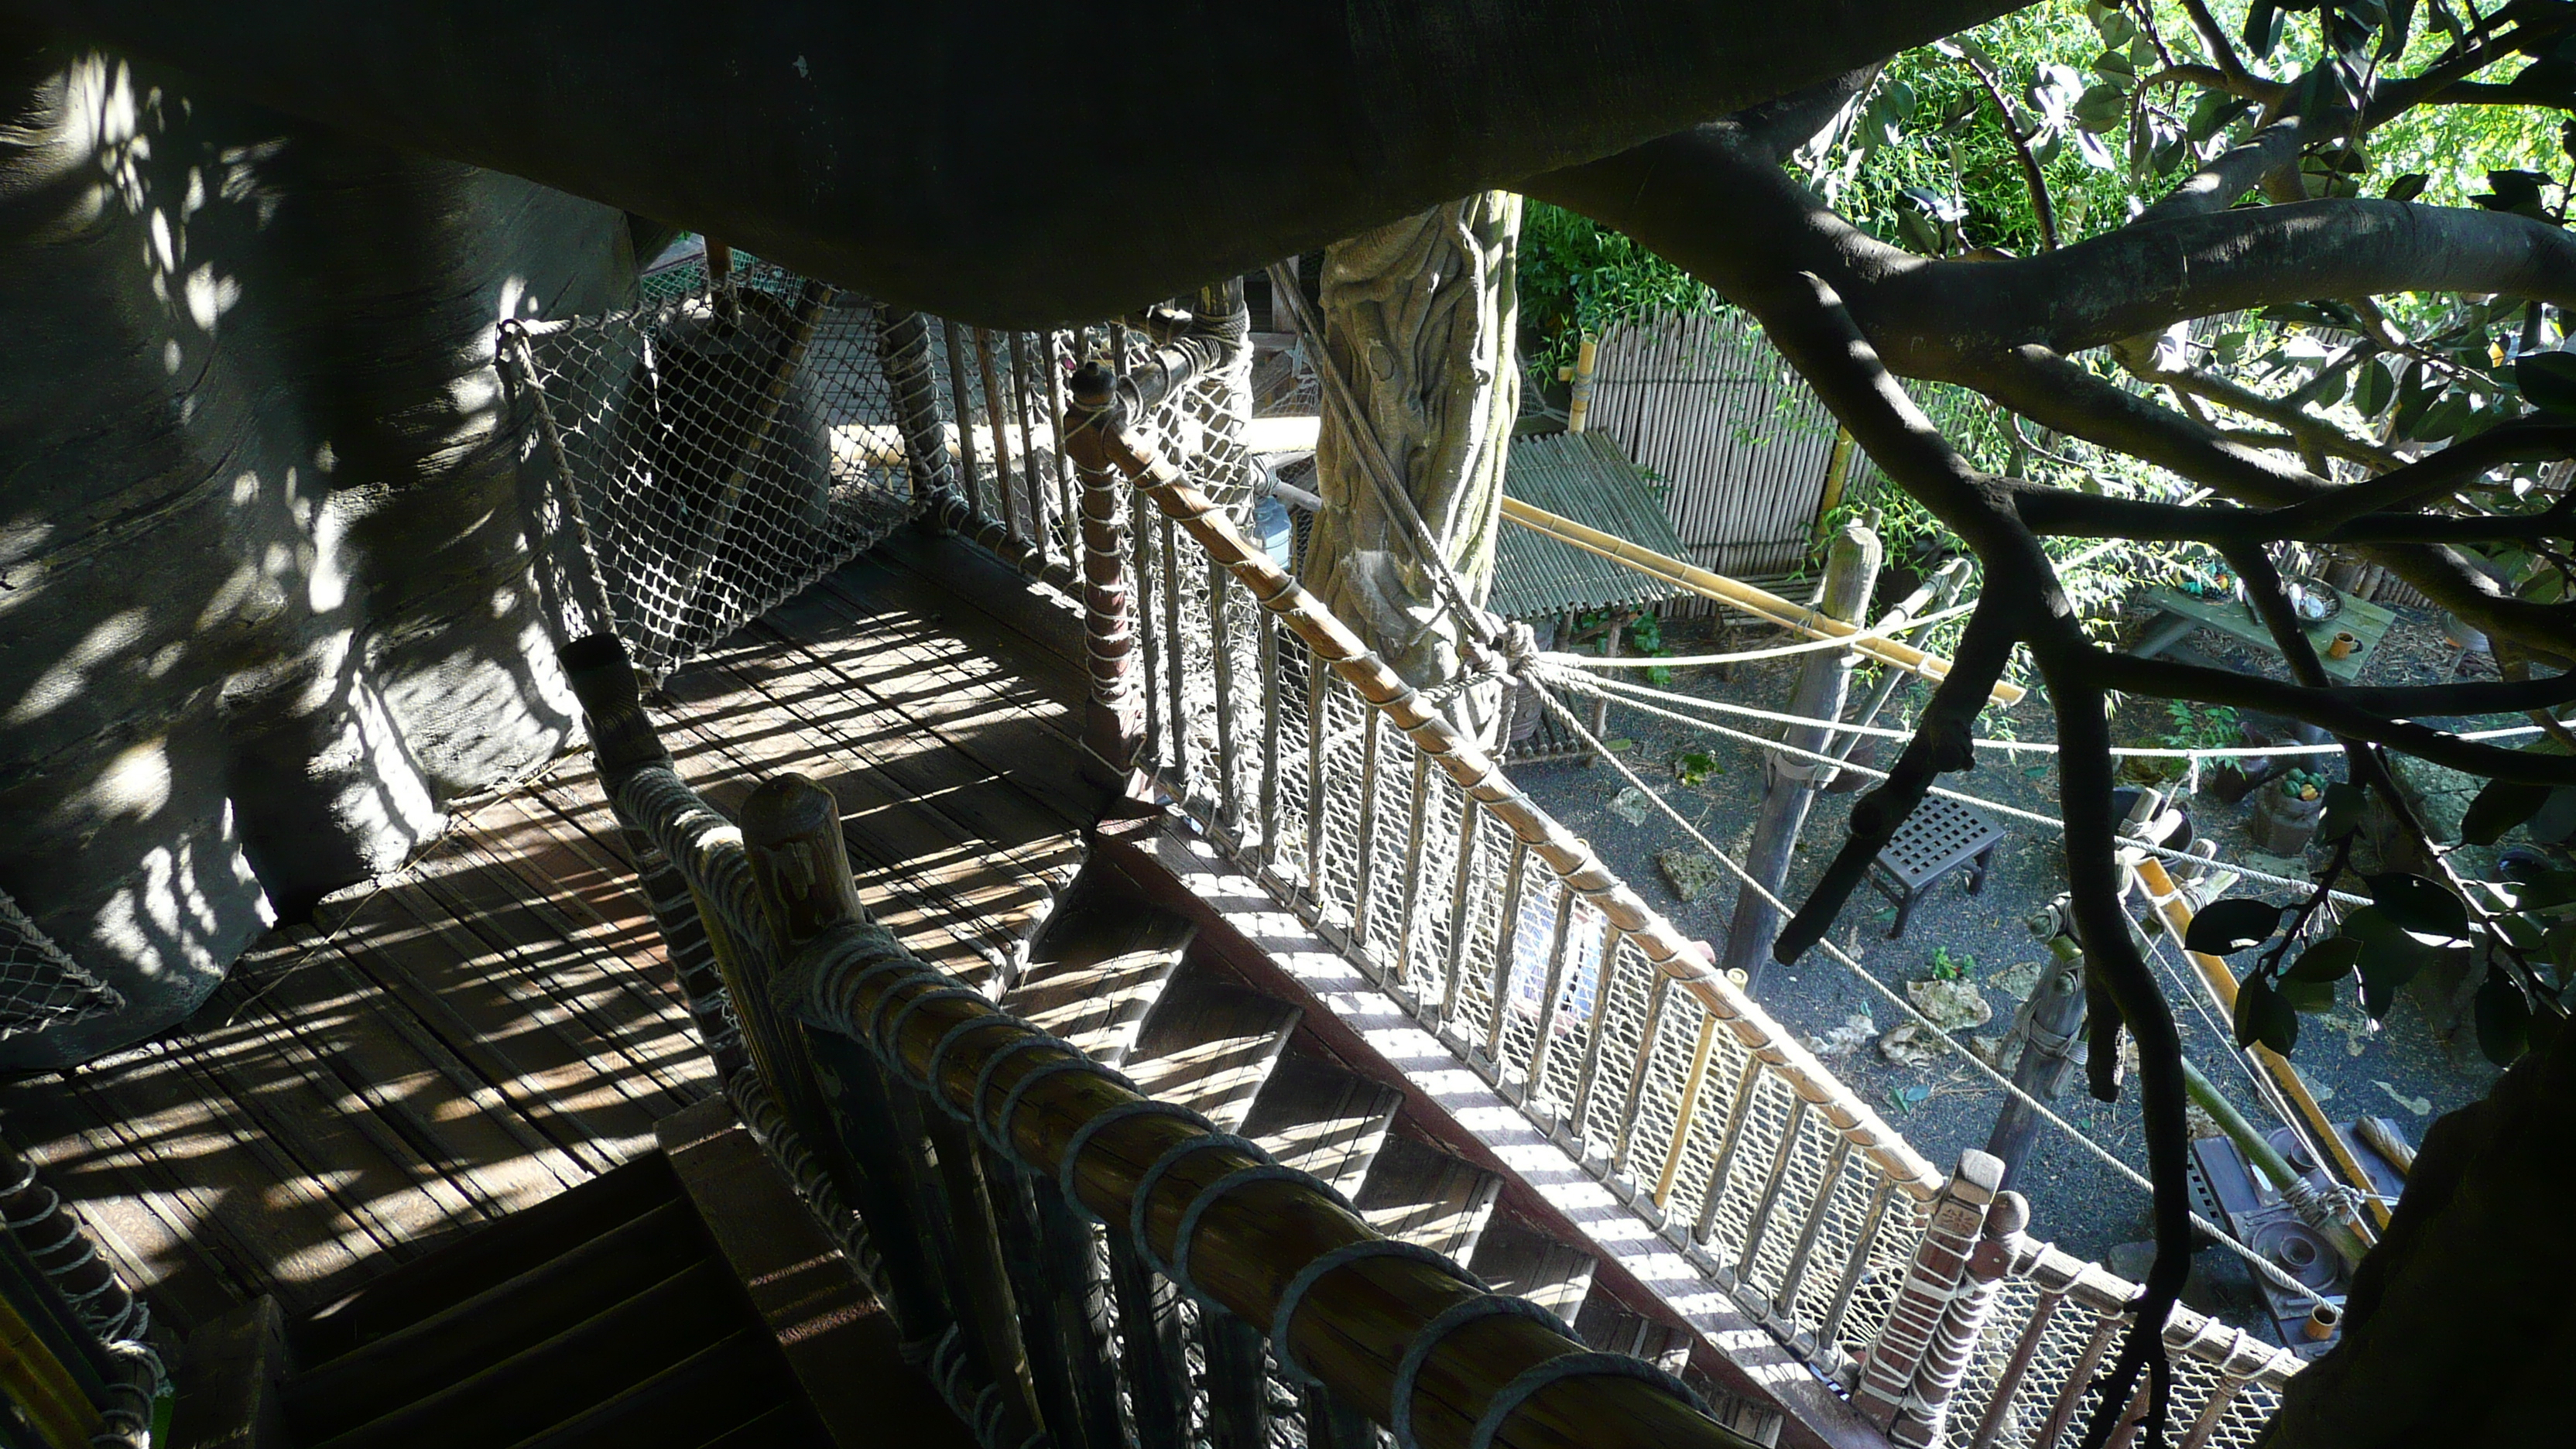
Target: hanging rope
[[2110, 1159], [1584, 685]]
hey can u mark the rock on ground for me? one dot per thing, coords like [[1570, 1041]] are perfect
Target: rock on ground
[[1689, 872]]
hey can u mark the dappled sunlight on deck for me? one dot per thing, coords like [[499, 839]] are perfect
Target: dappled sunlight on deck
[[497, 1022]]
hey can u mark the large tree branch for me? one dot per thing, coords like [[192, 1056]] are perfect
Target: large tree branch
[[1740, 225], [2330, 710], [2151, 274]]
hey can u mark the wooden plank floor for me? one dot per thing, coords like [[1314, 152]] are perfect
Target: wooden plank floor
[[497, 1022]]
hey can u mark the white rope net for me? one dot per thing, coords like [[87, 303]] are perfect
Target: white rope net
[[40, 986], [725, 451]]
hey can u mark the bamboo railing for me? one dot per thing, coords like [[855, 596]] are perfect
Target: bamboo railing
[[1025, 1213]]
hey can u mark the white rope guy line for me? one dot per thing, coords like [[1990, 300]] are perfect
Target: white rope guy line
[[1584, 685], [1779, 651], [2033, 747], [1897, 999]]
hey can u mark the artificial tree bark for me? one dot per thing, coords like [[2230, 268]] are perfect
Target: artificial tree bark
[[1014, 164], [1419, 318], [264, 595]]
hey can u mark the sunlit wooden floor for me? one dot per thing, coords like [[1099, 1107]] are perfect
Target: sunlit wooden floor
[[497, 1022]]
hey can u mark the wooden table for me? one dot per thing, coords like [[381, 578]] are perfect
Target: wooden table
[[2178, 614]]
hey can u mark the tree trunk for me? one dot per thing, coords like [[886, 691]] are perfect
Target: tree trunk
[[1419, 316]]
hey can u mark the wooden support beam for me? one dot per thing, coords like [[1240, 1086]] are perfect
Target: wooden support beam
[[1761, 603]]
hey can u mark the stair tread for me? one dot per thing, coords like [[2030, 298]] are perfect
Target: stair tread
[[789, 1426], [1418, 1193], [1209, 1045], [1097, 966], [505, 1319], [1518, 1259], [711, 1394], [589, 1364], [1614, 1327], [476, 1260], [1319, 1118]]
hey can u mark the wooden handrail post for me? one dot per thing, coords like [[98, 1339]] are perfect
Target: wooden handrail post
[[1973, 1239], [792, 835], [1114, 716]]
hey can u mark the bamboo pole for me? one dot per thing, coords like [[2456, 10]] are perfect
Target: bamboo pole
[[1481, 778], [1814, 623], [2222, 983], [2259, 1150]]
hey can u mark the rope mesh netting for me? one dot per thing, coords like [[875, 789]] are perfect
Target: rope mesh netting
[[726, 450], [40, 986]]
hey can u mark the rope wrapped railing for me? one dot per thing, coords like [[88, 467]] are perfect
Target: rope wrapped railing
[[1807, 1205], [977, 1170], [76, 1359], [1569, 858]]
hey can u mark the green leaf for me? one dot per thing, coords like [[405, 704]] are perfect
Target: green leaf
[[2556, 820], [2390, 957], [2263, 1016], [2548, 381], [2504, 1018], [2499, 807], [2344, 807], [2374, 388], [2309, 998], [2328, 961], [2422, 906], [2408, 186], [2444, 420], [2223, 928]]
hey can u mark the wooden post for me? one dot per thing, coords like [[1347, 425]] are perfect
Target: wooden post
[[792, 834], [1973, 1238], [1579, 403], [2050, 1028], [1789, 788], [1114, 715]]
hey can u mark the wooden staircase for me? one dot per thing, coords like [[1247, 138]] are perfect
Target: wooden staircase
[[1128, 982], [685, 1300]]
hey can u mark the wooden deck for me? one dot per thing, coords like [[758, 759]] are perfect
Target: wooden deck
[[497, 1023]]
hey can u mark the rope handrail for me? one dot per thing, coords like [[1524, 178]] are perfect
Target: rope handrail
[[1277, 1248], [1480, 777], [1273, 1246]]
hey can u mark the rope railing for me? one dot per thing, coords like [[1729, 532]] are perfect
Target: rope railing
[[984, 1177], [1404, 844]]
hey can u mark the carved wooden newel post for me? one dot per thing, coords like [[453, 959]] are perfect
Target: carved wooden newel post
[[1974, 1240], [1114, 719]]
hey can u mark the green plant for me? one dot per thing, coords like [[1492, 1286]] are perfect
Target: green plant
[[2199, 726], [1946, 967], [1693, 766]]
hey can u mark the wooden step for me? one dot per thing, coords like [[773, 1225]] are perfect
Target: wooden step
[[473, 1262], [1613, 1327], [705, 1398], [1318, 1118], [1517, 1259], [839, 1344], [1097, 966], [1209, 1045], [783, 1426], [1418, 1193], [589, 1364], [505, 1319]]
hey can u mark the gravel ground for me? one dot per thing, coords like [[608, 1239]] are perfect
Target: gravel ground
[[2405, 1072]]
